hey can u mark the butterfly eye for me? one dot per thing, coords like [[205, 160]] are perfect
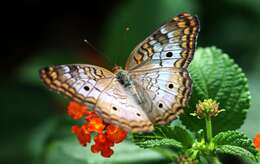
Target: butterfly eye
[[114, 108], [160, 105], [169, 54], [138, 114], [86, 88], [170, 86]]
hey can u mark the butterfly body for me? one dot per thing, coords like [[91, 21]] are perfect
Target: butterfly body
[[153, 88], [123, 77]]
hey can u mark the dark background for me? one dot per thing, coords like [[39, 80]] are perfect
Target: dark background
[[40, 33]]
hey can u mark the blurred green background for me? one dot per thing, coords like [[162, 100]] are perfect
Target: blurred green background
[[34, 128]]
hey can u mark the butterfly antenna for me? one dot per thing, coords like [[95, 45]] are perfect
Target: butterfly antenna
[[127, 29], [98, 51]]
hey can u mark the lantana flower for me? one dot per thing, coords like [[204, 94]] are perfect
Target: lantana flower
[[257, 141], [107, 135], [207, 108]]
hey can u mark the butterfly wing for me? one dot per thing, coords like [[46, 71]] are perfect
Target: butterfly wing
[[172, 45], [83, 83], [118, 106], [158, 67], [98, 86], [165, 92]]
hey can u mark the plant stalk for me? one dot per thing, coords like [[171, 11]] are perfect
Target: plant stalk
[[213, 160], [208, 129]]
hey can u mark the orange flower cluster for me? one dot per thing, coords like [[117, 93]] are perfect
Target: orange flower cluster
[[257, 141], [107, 134]]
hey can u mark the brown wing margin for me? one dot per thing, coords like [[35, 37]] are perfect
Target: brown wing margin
[[190, 28]]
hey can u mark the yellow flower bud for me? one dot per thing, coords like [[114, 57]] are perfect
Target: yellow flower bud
[[208, 107]]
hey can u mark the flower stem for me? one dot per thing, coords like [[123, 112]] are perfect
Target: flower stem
[[208, 129], [213, 160]]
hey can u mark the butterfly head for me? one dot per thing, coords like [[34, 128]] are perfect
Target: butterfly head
[[116, 69]]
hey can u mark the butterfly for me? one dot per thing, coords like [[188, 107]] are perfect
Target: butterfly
[[153, 88]]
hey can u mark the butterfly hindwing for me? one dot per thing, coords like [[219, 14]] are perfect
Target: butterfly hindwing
[[98, 86], [117, 105], [172, 45], [165, 92]]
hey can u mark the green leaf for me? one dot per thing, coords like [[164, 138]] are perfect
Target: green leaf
[[167, 153], [235, 150], [234, 138], [216, 76], [183, 135], [176, 137], [160, 142]]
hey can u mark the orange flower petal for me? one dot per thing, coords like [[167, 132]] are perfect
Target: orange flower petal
[[82, 135], [95, 148], [100, 138], [76, 110], [115, 134], [107, 135], [257, 141], [96, 125], [107, 152]]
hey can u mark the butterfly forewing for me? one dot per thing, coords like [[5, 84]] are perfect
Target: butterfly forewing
[[172, 45], [98, 86], [81, 82]]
